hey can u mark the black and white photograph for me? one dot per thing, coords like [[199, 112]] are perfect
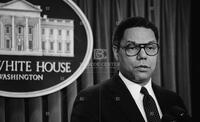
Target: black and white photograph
[[96, 61]]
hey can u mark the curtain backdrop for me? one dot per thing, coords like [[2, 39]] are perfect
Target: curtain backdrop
[[173, 70]]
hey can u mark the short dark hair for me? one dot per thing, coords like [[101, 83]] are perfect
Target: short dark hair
[[129, 23]]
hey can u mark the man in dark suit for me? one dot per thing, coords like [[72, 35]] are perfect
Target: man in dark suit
[[130, 95]]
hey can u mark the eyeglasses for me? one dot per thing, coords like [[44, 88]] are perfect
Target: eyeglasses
[[150, 49]]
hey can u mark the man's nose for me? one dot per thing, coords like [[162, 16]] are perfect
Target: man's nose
[[142, 54]]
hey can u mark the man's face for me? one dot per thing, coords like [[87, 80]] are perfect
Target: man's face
[[140, 67]]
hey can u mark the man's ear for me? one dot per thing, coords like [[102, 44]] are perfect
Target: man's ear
[[115, 52]]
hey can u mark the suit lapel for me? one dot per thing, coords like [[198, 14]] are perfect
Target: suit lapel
[[162, 100], [124, 100]]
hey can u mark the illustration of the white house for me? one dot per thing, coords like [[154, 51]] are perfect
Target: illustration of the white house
[[24, 32]]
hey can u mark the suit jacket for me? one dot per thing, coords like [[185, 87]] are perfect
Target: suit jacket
[[110, 101]]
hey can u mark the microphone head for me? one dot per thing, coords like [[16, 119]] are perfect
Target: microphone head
[[177, 111], [176, 114]]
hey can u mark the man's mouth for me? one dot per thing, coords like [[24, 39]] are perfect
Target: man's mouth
[[142, 68]]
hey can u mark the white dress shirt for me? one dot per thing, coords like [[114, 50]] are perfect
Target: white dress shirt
[[134, 89]]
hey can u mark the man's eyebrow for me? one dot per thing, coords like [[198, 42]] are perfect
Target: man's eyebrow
[[152, 41], [133, 42]]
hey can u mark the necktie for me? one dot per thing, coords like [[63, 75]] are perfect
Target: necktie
[[150, 106]]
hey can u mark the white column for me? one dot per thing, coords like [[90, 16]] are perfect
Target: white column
[[55, 40], [13, 33], [48, 40], [26, 35], [72, 42], [64, 41], [39, 35], [1, 34], [35, 37], [63, 45]]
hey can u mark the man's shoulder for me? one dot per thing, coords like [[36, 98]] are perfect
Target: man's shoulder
[[164, 91], [90, 100], [168, 96]]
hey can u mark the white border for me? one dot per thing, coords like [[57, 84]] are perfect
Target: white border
[[75, 75]]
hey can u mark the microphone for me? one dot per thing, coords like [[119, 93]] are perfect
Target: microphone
[[176, 114]]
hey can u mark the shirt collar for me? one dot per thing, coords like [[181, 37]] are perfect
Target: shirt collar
[[134, 90], [134, 87]]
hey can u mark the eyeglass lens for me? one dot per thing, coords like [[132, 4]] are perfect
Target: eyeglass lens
[[150, 49]]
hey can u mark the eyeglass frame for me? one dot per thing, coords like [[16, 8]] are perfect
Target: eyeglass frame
[[143, 45]]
